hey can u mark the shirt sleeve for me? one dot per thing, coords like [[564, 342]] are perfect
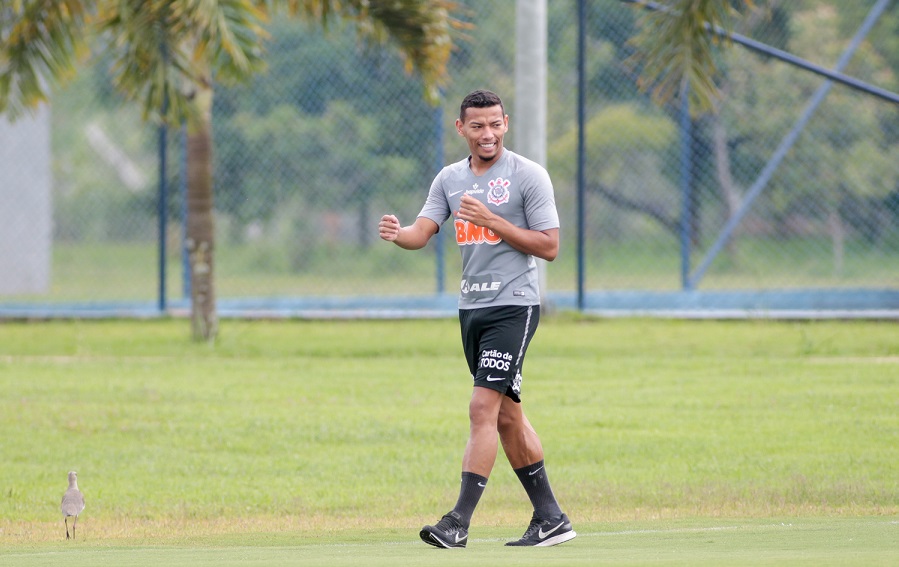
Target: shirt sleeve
[[436, 206], [540, 202]]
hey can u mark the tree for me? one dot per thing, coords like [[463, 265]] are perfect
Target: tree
[[319, 117], [168, 53], [677, 49]]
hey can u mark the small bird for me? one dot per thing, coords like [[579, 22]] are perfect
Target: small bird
[[72, 503]]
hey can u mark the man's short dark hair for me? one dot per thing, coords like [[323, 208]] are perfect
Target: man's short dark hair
[[480, 99]]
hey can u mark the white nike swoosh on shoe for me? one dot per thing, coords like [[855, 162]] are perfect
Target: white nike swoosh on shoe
[[458, 539], [536, 471], [543, 535]]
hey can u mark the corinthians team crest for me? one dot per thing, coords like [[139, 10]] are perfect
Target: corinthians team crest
[[499, 191]]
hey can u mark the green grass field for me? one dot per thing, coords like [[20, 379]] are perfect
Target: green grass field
[[312, 443]]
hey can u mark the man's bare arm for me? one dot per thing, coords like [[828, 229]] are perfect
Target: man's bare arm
[[410, 237], [540, 243]]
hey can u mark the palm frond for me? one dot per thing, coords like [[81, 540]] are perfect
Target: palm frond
[[164, 49], [677, 50], [423, 30], [40, 42]]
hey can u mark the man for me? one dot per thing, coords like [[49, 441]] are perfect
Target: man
[[505, 215]]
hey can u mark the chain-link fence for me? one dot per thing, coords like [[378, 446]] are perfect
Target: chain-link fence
[[310, 154]]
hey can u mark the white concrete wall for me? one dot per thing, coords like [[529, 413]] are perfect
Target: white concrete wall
[[26, 212]]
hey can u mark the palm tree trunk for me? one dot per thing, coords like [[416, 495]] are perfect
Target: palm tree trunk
[[838, 240], [200, 224], [732, 195]]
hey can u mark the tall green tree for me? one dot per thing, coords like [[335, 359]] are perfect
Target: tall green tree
[[167, 55]]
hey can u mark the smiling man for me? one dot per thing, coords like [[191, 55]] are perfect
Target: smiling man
[[504, 217]]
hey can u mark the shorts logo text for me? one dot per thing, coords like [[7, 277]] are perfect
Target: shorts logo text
[[495, 359]]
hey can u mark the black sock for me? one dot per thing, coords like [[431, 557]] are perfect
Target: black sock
[[472, 488], [536, 484]]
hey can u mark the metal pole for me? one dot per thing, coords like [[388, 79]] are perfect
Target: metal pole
[[162, 206], [581, 149], [185, 256], [686, 158], [529, 122], [439, 238]]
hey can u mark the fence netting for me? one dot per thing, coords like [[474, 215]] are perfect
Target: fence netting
[[310, 154]]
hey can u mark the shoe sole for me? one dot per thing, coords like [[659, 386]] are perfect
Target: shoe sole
[[556, 540], [432, 539]]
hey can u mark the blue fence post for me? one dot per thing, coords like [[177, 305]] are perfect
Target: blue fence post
[[581, 151], [686, 162], [185, 258], [162, 205], [439, 239]]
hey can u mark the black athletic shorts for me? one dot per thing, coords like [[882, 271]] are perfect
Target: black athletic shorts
[[495, 340]]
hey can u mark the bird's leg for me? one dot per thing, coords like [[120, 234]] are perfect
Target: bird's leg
[[74, 522], [66, 522]]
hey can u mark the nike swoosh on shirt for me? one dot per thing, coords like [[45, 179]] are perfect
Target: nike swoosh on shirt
[[454, 194], [543, 535]]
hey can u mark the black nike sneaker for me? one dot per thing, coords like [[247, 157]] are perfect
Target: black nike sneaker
[[448, 532], [544, 533]]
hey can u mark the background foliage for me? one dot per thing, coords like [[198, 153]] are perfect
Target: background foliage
[[310, 154]]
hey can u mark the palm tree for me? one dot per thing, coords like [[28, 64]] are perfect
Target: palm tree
[[676, 47], [166, 53]]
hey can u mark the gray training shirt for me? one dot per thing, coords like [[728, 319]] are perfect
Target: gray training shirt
[[515, 188]]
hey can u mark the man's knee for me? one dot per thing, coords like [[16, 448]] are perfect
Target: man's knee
[[484, 407], [509, 421]]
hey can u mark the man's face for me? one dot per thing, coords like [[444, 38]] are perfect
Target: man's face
[[484, 129]]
